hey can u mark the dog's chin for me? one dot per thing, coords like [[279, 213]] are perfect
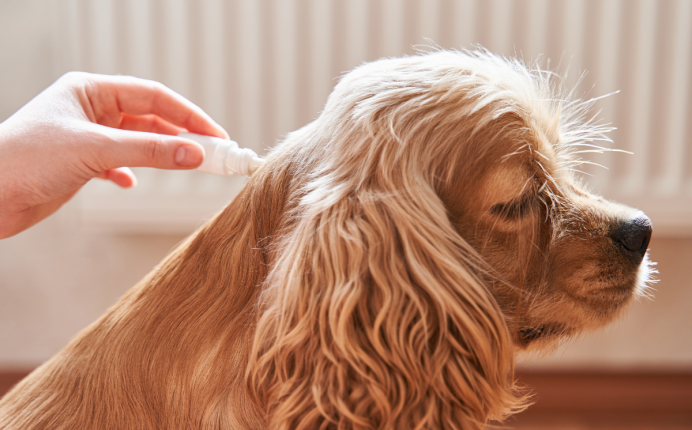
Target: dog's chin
[[599, 306]]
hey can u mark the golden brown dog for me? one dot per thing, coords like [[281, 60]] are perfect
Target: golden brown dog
[[378, 272]]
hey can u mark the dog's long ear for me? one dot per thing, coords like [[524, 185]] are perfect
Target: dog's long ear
[[374, 317]]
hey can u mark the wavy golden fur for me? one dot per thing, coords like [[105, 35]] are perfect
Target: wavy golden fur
[[378, 272]]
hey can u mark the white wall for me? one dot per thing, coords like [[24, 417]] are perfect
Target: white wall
[[58, 277], [27, 54]]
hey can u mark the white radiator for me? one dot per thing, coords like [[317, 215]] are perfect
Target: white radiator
[[262, 68]]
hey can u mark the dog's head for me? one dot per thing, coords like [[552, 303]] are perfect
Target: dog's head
[[435, 227]]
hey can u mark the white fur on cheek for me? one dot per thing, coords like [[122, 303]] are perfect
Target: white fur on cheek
[[645, 278]]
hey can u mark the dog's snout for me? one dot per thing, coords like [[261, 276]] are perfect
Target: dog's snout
[[634, 235]]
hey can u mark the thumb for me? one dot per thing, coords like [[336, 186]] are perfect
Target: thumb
[[142, 149]]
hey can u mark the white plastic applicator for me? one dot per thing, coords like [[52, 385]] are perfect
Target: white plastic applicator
[[224, 157]]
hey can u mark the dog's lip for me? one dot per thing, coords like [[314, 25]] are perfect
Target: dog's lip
[[603, 294], [605, 300], [615, 294]]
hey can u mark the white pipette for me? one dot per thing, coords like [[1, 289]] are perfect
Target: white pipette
[[224, 157]]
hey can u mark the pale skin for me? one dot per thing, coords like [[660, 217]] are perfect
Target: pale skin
[[87, 126]]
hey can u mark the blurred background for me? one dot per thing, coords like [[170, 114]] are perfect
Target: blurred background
[[262, 68]]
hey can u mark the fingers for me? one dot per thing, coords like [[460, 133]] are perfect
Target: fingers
[[140, 97], [140, 149], [149, 123], [122, 176]]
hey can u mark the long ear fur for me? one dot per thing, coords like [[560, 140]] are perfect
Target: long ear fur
[[375, 319], [374, 315]]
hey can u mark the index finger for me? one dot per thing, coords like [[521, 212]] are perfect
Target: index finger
[[136, 96]]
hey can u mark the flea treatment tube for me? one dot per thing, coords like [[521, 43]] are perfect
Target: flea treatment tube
[[224, 157]]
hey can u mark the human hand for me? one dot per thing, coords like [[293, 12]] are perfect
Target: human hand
[[86, 126]]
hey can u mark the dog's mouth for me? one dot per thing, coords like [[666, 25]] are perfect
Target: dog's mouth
[[612, 296], [626, 286]]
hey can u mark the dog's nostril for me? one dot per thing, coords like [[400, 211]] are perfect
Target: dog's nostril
[[634, 235]]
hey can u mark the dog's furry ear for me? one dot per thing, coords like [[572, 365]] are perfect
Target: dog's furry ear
[[374, 318]]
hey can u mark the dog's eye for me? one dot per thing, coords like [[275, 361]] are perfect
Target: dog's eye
[[515, 210], [533, 333]]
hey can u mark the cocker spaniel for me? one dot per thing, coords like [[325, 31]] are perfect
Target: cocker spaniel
[[378, 272]]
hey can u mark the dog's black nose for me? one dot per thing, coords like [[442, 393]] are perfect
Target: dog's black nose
[[634, 235]]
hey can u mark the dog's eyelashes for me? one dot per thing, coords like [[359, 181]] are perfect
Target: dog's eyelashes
[[533, 333], [515, 210]]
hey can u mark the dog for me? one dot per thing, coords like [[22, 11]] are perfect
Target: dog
[[379, 271]]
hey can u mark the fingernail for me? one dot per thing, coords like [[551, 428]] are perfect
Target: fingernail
[[188, 156]]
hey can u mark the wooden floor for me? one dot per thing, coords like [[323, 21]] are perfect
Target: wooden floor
[[606, 401], [10, 377], [597, 422], [581, 400], [615, 424]]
